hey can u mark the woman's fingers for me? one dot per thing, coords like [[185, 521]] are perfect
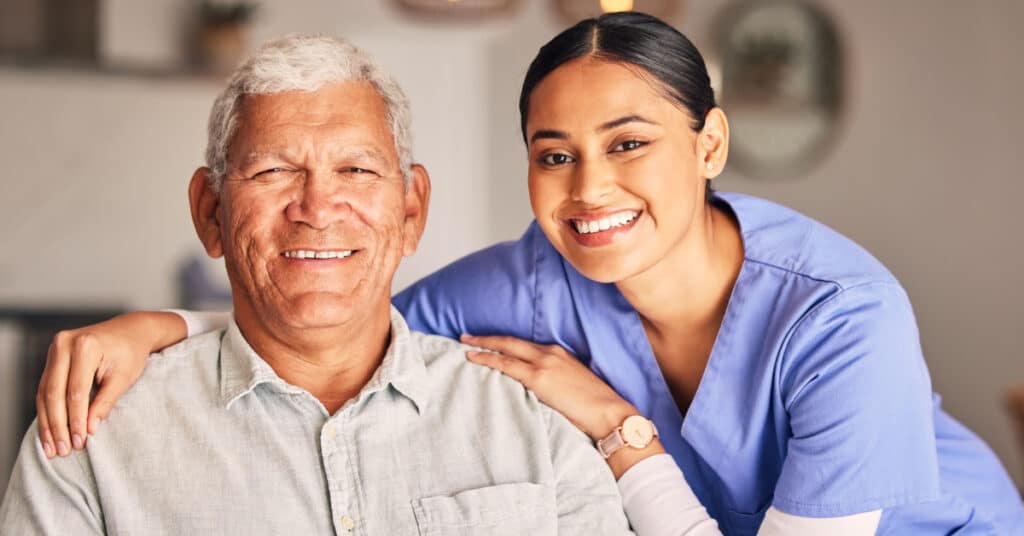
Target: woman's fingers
[[506, 345], [53, 392], [513, 367], [43, 427], [110, 391], [558, 379], [85, 358]]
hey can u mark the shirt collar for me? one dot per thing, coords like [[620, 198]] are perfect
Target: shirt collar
[[402, 368]]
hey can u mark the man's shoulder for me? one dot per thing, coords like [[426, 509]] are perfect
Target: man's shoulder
[[449, 371], [187, 368]]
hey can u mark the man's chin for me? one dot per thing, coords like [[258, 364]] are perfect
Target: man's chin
[[321, 310]]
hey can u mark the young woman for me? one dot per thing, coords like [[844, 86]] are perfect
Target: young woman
[[777, 362]]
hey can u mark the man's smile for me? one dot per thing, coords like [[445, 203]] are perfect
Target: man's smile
[[317, 254]]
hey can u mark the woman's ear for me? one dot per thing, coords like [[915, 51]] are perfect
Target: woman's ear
[[205, 203], [713, 143]]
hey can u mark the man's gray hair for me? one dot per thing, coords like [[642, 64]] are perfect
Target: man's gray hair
[[303, 63]]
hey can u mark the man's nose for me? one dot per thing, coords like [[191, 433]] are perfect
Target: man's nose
[[320, 202], [592, 182]]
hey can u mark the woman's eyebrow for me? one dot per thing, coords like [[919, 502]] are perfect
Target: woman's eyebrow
[[549, 135], [625, 120], [560, 135]]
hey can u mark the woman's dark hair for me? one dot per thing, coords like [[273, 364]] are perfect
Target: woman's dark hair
[[636, 39]]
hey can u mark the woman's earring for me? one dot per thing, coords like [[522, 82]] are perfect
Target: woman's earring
[[710, 166]]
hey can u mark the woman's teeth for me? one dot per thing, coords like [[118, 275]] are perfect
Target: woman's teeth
[[309, 254], [615, 220]]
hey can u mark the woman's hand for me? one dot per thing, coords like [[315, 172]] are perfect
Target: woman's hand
[[558, 379], [112, 355]]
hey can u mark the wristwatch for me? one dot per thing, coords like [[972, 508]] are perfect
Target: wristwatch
[[636, 431]]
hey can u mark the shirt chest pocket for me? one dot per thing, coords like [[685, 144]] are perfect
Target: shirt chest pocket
[[512, 509]]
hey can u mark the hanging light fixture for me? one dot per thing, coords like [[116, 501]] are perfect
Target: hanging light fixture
[[575, 10], [612, 6], [457, 9]]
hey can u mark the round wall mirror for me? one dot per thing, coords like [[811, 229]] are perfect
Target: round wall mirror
[[781, 85]]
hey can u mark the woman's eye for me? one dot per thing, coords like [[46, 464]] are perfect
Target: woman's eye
[[555, 159], [628, 145]]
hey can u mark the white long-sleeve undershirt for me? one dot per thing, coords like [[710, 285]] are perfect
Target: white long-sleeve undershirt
[[659, 502]]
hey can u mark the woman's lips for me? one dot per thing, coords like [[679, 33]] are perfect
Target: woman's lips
[[594, 230]]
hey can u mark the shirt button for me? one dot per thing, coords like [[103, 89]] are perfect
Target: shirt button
[[348, 523], [330, 431]]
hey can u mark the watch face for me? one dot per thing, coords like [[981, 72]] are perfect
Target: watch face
[[637, 432]]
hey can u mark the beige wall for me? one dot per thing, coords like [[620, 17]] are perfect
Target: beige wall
[[925, 173]]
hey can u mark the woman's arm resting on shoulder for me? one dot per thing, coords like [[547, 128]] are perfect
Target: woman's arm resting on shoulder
[[111, 354], [656, 497], [558, 379]]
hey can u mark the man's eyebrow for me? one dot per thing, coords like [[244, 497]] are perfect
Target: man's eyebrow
[[257, 155], [625, 120], [369, 152]]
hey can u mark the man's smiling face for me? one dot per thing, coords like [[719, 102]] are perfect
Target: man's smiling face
[[314, 215]]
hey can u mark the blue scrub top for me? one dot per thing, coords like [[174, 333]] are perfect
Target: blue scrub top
[[816, 398]]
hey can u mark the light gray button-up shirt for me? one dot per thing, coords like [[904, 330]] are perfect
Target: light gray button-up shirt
[[212, 441]]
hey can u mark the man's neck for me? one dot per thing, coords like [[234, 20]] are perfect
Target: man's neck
[[333, 363]]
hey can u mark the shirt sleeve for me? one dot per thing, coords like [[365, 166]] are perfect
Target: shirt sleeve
[[659, 502], [490, 292], [198, 322], [587, 498], [56, 496], [859, 403]]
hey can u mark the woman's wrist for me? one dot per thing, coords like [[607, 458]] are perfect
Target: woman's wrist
[[625, 458], [158, 329], [609, 418]]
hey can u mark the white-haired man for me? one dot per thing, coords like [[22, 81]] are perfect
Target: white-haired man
[[317, 411]]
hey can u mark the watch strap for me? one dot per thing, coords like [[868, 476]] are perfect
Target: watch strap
[[615, 441]]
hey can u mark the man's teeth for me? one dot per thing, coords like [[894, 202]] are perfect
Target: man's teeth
[[615, 220], [309, 254]]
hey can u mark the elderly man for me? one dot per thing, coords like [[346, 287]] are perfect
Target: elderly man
[[317, 411]]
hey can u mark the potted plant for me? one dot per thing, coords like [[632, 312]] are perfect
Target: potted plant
[[223, 33]]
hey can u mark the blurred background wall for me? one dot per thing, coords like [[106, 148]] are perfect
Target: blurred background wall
[[925, 169]]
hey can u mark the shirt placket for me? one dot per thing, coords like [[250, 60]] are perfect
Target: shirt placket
[[341, 478]]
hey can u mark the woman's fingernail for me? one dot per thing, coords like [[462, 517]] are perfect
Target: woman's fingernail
[[48, 449], [62, 448], [76, 440], [93, 424]]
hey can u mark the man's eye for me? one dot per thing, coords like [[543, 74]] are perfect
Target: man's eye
[[358, 173], [268, 174], [628, 145], [555, 159]]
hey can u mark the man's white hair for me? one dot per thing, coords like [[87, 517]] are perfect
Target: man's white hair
[[303, 63]]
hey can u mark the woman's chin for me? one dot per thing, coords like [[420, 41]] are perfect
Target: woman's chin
[[611, 269]]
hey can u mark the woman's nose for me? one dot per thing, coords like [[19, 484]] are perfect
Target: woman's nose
[[592, 183]]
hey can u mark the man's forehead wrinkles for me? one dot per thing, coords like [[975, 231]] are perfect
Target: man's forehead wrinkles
[[355, 151]]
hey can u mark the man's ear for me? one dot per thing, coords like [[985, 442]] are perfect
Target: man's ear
[[713, 143], [417, 200], [205, 204]]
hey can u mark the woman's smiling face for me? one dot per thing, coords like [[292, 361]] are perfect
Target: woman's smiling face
[[617, 180]]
